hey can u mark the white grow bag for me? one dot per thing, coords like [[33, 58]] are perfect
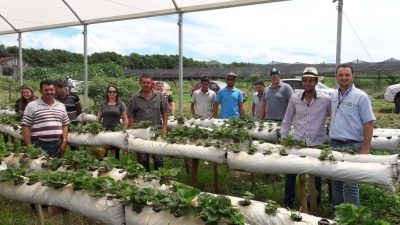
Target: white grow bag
[[178, 150], [108, 211], [339, 156], [145, 134], [379, 174], [384, 132], [389, 144], [12, 161], [7, 129], [255, 211], [116, 139], [83, 117], [7, 112]]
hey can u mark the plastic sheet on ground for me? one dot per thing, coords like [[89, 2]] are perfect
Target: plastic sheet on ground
[[378, 174], [116, 139], [178, 150], [108, 211], [255, 211]]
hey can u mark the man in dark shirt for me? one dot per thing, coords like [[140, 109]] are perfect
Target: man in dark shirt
[[71, 101], [148, 104]]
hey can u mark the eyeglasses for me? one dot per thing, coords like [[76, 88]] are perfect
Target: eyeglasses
[[274, 75], [112, 92], [230, 79]]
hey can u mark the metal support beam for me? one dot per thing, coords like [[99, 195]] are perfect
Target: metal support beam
[[20, 63], [73, 11], [339, 35], [180, 65], [85, 67]]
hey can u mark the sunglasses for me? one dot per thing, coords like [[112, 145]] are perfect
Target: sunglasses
[[112, 92], [274, 75]]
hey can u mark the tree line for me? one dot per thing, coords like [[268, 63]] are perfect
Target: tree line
[[54, 57]]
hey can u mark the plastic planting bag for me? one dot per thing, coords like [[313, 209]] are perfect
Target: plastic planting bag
[[116, 139]]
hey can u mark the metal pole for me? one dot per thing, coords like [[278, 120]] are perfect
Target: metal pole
[[85, 67], [21, 72], [339, 36], [180, 65]]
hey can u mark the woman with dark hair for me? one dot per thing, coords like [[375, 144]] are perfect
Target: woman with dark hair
[[111, 111], [27, 95]]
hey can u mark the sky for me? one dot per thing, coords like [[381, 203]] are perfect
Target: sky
[[294, 31]]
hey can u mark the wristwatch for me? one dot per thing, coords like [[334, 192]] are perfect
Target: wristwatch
[[66, 140]]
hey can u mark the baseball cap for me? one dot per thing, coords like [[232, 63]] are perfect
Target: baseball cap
[[231, 74], [274, 71], [310, 72]]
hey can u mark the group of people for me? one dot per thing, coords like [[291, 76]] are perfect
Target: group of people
[[349, 108], [45, 121]]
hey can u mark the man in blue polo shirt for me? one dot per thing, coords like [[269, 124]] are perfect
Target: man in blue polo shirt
[[352, 123], [230, 98]]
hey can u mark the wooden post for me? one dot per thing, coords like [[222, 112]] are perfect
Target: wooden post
[[139, 158], [303, 193], [253, 180], [66, 218], [195, 166], [9, 91], [39, 214], [187, 165], [216, 178], [313, 195], [15, 144]]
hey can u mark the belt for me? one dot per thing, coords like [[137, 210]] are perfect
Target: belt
[[345, 142], [47, 142]]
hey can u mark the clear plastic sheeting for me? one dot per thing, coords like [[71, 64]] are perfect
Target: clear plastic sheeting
[[255, 212], [379, 174], [108, 211], [35, 15]]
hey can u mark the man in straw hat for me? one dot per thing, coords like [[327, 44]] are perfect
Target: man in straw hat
[[309, 109]]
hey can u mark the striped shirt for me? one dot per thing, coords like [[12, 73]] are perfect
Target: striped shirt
[[72, 103], [45, 121], [142, 109]]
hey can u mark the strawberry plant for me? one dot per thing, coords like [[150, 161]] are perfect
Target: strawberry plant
[[252, 150], [143, 124], [271, 207], [12, 175], [247, 198]]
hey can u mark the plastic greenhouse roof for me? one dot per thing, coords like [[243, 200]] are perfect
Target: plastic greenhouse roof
[[32, 15]]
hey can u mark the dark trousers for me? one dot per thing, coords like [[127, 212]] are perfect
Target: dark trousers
[[158, 162], [51, 148], [290, 189]]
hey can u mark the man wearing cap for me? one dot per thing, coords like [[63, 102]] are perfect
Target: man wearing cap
[[276, 98], [257, 99], [352, 123], [309, 109], [230, 98]]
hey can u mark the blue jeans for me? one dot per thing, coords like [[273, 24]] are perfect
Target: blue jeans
[[50, 148], [158, 162], [343, 192], [290, 189]]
